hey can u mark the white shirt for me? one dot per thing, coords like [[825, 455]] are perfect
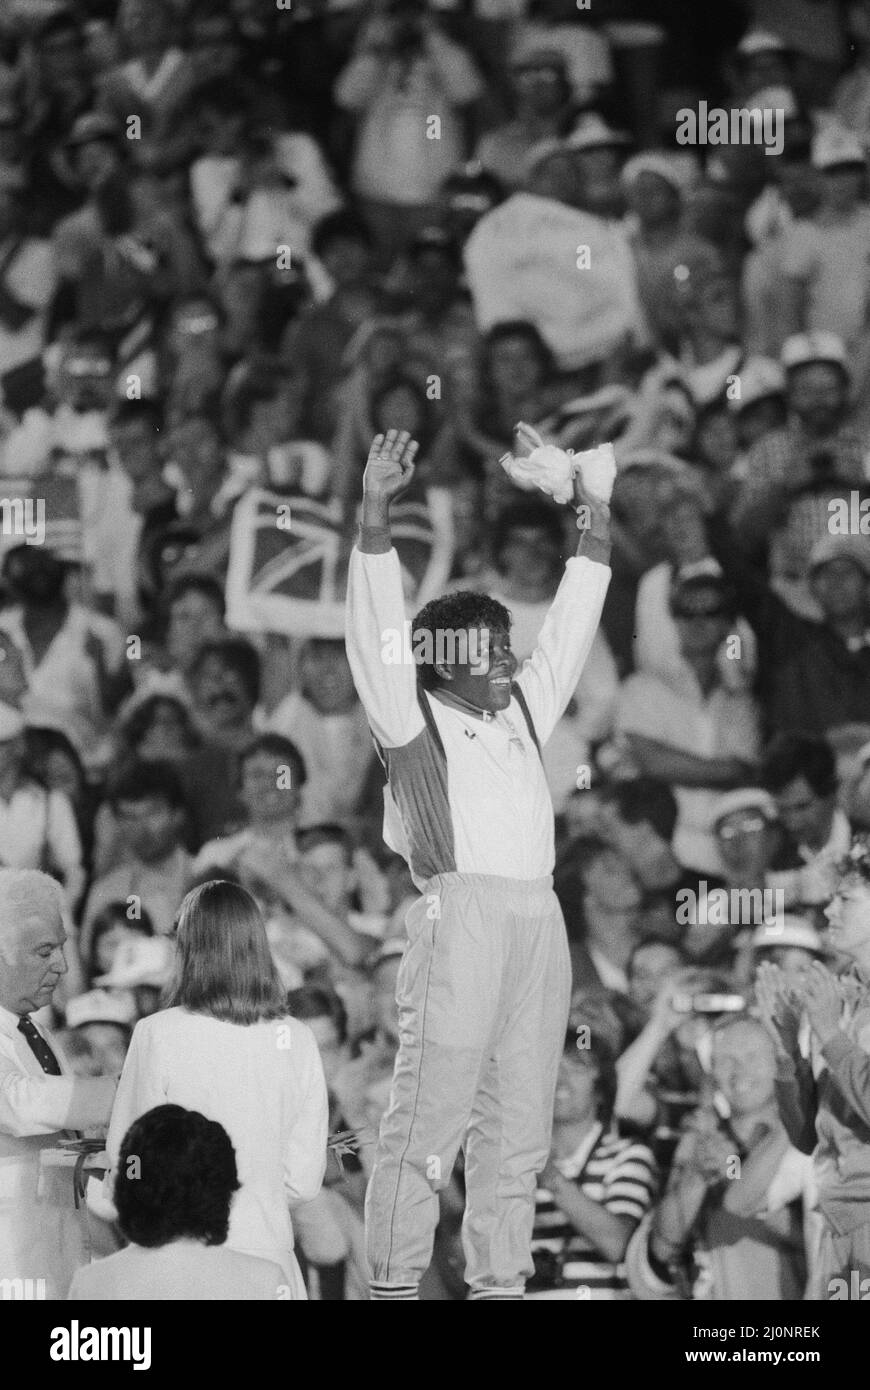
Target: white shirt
[[40, 1233], [498, 816], [264, 1083], [338, 752], [38, 828], [721, 724], [268, 217], [590, 720], [63, 689], [30, 278], [182, 1270], [611, 976]]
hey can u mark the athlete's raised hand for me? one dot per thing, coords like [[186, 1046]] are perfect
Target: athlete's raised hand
[[390, 466]]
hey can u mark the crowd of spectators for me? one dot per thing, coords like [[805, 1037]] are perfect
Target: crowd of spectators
[[237, 240]]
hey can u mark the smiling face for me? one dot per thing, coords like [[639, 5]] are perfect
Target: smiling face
[[651, 967], [194, 619], [329, 874], [327, 681], [840, 586], [818, 394], [806, 815], [793, 961], [576, 1088], [32, 961], [484, 682], [263, 792], [610, 881], [220, 693], [150, 828], [848, 915], [702, 633], [744, 1067], [515, 366]]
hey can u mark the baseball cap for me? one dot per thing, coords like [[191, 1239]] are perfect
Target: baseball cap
[[744, 799], [833, 146], [678, 170], [788, 930], [593, 133], [776, 99], [849, 547], [101, 1006], [760, 377], [538, 55], [802, 348], [94, 125], [757, 41]]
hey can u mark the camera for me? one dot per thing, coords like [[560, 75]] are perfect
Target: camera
[[708, 1003]]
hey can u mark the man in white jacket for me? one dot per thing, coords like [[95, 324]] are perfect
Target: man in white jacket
[[41, 1236], [484, 984]]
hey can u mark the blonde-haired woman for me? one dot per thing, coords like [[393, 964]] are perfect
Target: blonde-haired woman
[[227, 1047]]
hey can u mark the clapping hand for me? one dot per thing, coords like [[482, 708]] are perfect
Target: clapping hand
[[550, 1176], [780, 1011], [13, 681], [823, 1003], [703, 1147]]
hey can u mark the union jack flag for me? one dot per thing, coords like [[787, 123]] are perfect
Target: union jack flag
[[289, 556]]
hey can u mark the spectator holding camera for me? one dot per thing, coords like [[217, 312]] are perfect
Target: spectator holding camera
[[403, 68], [119, 256], [728, 1225]]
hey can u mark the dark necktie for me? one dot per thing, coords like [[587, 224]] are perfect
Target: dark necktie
[[39, 1047]]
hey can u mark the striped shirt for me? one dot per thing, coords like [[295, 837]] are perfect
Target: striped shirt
[[618, 1174]]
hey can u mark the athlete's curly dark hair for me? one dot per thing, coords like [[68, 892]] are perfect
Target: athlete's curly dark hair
[[176, 1177], [453, 613]]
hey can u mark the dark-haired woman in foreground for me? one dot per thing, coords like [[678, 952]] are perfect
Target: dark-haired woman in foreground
[[174, 1188], [227, 1047]]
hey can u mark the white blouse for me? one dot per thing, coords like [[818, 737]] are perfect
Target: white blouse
[[264, 1083]]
